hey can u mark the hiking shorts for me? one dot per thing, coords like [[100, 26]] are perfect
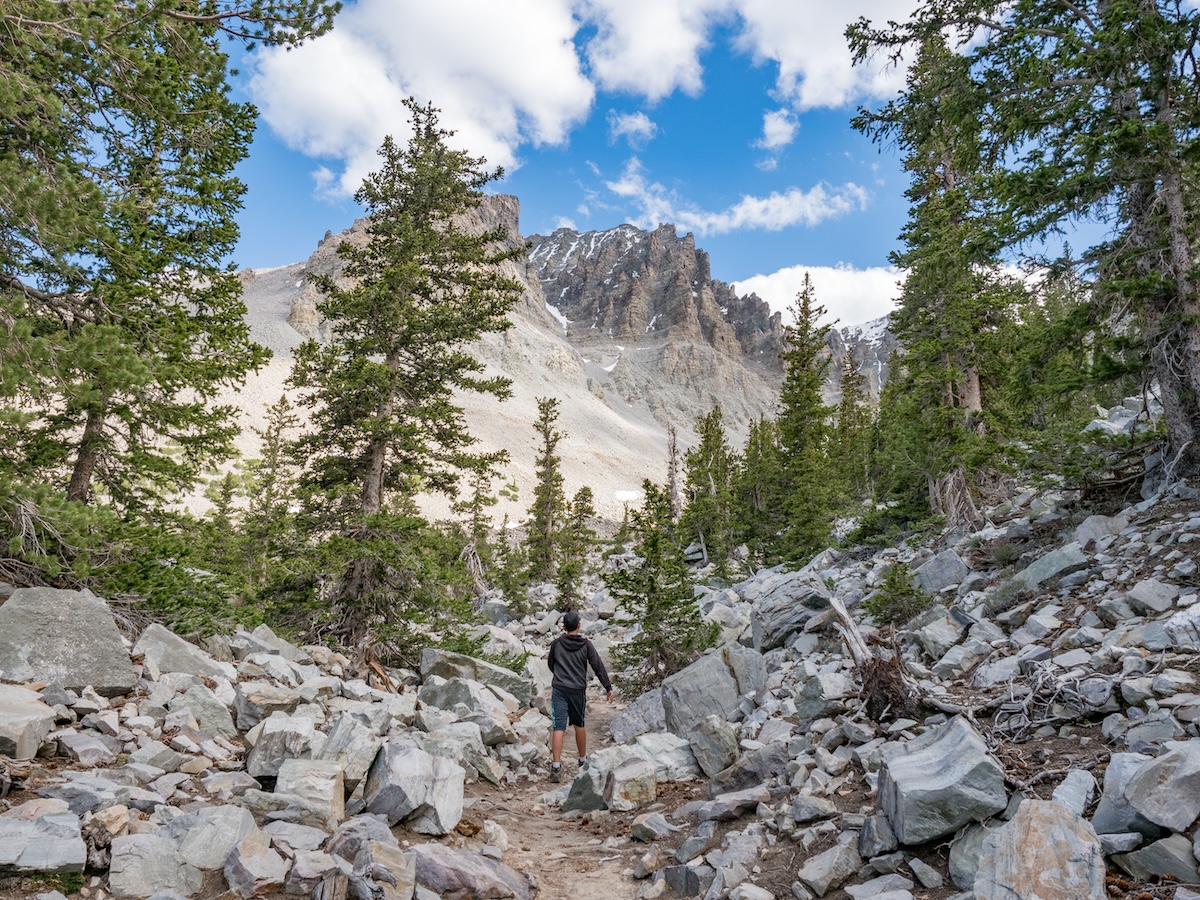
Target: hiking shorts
[[568, 708]]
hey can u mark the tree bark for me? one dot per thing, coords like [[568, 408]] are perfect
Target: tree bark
[[87, 457]]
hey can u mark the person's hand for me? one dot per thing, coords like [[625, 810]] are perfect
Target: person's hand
[[610, 697]]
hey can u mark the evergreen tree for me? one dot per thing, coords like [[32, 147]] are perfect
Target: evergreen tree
[[760, 489], [1090, 108], [673, 472], [549, 501], [120, 318], [851, 440], [385, 422], [576, 540], [803, 432], [953, 295], [269, 523], [709, 517], [656, 591]]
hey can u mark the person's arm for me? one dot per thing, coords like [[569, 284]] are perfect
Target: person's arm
[[597, 665], [550, 655]]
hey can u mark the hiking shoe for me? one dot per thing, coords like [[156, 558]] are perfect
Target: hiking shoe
[[556, 774]]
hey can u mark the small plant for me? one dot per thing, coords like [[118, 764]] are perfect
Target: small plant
[[1005, 553], [897, 599]]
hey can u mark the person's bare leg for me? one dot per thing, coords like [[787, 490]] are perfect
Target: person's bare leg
[[556, 745], [581, 741]]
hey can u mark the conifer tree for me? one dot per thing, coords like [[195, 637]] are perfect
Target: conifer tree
[[656, 591], [954, 295], [549, 512], [803, 432], [385, 419], [576, 540], [851, 439], [709, 517], [760, 489]]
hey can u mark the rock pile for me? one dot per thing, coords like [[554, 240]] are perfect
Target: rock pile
[[1060, 658], [257, 760]]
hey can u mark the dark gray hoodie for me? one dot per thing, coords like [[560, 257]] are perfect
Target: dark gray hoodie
[[570, 655]]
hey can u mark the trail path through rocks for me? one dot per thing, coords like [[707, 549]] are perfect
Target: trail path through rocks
[[564, 853]]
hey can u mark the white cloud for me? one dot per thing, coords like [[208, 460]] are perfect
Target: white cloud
[[852, 296], [779, 130], [650, 48], [806, 39], [509, 78], [657, 204], [636, 128]]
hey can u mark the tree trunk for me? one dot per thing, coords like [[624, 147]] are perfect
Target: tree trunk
[[87, 457]]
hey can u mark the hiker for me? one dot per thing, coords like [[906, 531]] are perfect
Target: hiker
[[570, 656]]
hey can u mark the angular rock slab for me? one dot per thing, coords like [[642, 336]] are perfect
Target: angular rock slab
[[63, 637], [24, 721], [455, 665], [790, 601], [254, 867], [833, 868], [461, 873], [405, 782], [641, 716], [1166, 790], [318, 785], [705, 688], [940, 781], [165, 651], [631, 785], [1046, 851], [50, 843], [143, 864], [206, 837], [714, 744]]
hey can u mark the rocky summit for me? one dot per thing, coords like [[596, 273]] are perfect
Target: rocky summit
[[1056, 754]]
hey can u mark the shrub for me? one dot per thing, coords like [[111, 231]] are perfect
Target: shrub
[[897, 599]]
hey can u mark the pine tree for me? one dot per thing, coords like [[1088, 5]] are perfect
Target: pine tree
[[760, 489], [385, 421], [954, 296], [803, 432], [656, 591], [577, 539], [269, 522], [709, 517], [548, 515], [120, 317], [851, 439]]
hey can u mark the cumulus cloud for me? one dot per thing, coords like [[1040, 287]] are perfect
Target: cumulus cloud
[[650, 48], [636, 128], [852, 296], [807, 42], [656, 204], [512, 78], [779, 130]]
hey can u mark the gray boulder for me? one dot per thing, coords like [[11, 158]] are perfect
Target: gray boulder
[[472, 701], [942, 571], [164, 651], [63, 637], [1093, 528], [707, 687], [143, 864], [353, 746], [940, 781], [206, 837], [45, 837], [1113, 813], [279, 738], [714, 744], [445, 664], [1166, 790], [1045, 851], [255, 701], [460, 873], [406, 783], [254, 867], [642, 715], [391, 871], [211, 714], [785, 607], [1171, 856], [24, 721], [587, 789], [831, 869], [1056, 563], [318, 787], [631, 785]]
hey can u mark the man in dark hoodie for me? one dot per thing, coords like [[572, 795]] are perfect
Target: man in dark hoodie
[[570, 656]]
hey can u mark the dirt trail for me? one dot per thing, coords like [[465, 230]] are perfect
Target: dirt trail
[[569, 856]]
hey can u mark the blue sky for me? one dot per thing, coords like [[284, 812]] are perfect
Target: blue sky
[[729, 118]]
